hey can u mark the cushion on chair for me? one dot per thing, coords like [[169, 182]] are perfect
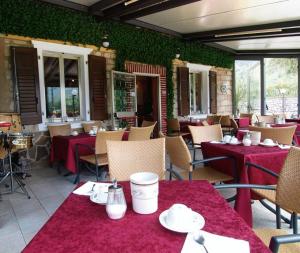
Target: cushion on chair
[[101, 159], [207, 173]]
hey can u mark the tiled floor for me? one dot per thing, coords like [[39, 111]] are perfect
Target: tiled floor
[[21, 218]]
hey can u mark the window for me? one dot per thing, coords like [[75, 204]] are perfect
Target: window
[[62, 93], [195, 93]]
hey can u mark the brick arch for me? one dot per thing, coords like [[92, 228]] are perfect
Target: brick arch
[[134, 67]]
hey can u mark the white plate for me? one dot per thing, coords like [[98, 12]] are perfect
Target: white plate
[[198, 223], [268, 145]]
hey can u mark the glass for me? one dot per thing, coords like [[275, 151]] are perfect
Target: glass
[[281, 82], [71, 87], [195, 92], [52, 86], [116, 203], [247, 86]]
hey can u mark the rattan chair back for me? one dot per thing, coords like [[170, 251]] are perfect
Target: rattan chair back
[[225, 121], [268, 119], [173, 125], [234, 125], [87, 126], [140, 133], [147, 123], [63, 130], [128, 157], [214, 118], [103, 136], [288, 191], [179, 153], [283, 135], [206, 133]]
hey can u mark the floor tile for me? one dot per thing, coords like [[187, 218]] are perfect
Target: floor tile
[[12, 243]]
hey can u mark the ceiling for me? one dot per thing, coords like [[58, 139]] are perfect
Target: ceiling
[[236, 25]]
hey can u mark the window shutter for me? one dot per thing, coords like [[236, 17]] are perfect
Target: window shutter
[[183, 91], [26, 78], [213, 91], [97, 76]]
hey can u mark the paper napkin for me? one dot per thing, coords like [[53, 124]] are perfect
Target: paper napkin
[[215, 244], [86, 188]]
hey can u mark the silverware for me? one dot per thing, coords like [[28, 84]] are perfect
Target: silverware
[[92, 188], [200, 239]]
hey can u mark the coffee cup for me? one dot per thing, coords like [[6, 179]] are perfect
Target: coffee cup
[[268, 142], [179, 215], [91, 132], [227, 138], [233, 140], [74, 133]]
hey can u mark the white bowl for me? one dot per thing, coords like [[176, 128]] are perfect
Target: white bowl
[[268, 142]]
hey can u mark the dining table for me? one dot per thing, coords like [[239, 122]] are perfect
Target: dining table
[[63, 148], [80, 225], [269, 157]]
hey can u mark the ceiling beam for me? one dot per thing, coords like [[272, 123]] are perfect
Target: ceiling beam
[[164, 5], [98, 7], [283, 52], [142, 24], [121, 9], [67, 4], [212, 34]]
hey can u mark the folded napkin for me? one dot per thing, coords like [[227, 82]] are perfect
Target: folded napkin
[[86, 189], [215, 244]]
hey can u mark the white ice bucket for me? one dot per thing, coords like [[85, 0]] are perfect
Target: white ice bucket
[[144, 192]]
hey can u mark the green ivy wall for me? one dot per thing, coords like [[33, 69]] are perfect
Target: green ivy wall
[[41, 20]]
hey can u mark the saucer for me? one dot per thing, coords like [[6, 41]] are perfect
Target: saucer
[[268, 145], [235, 143], [101, 199], [197, 224]]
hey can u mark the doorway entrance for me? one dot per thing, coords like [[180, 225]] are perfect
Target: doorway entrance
[[147, 95]]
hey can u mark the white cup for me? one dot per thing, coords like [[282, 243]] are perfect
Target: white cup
[[91, 132], [74, 133], [144, 192], [233, 140], [179, 215], [227, 138], [268, 142]]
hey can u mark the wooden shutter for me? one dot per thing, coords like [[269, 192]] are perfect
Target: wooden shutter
[[213, 91], [183, 91], [26, 78], [97, 76]]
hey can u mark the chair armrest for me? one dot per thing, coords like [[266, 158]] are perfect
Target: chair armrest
[[243, 186], [276, 241], [193, 148], [272, 173], [216, 158]]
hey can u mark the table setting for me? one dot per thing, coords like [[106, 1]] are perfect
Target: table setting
[[146, 215]]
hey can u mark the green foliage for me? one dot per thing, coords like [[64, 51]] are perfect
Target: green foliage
[[41, 20]]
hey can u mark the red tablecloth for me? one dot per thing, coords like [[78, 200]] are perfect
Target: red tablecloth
[[293, 120], [269, 157], [184, 125], [63, 149], [82, 226], [243, 122]]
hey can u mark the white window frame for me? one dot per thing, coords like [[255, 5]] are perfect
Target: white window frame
[[47, 48]]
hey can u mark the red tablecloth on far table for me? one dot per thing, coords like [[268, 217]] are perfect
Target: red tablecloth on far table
[[63, 149], [82, 226], [293, 120], [269, 157]]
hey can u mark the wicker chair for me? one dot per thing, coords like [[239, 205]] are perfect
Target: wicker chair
[[268, 119], [284, 195], [214, 118], [206, 133], [87, 126], [61, 129], [140, 133], [180, 157], [283, 135], [173, 128], [128, 157], [227, 124], [99, 158]]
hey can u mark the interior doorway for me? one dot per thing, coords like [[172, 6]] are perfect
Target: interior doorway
[[147, 90]]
